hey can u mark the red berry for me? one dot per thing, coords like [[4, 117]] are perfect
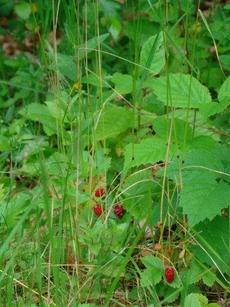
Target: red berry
[[118, 210], [99, 192], [169, 274], [98, 209]]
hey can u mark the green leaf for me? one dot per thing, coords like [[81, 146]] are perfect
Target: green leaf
[[209, 278], [153, 53], [203, 198], [213, 108], [195, 299], [180, 90], [123, 83], [152, 275], [224, 92], [113, 121], [151, 261], [196, 272], [213, 236], [138, 189], [4, 143], [150, 150], [10, 210], [67, 66], [181, 131], [23, 10], [90, 45], [40, 112], [202, 127]]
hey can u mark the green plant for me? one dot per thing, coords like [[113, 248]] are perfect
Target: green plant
[[128, 95]]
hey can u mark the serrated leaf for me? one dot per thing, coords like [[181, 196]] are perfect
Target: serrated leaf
[[150, 150], [151, 261], [153, 53], [224, 92], [181, 131], [154, 270], [213, 108], [202, 127], [209, 278], [123, 83], [214, 238], [113, 121], [181, 90], [150, 276], [138, 190], [202, 200]]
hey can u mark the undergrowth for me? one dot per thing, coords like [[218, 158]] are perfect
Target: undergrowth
[[114, 153]]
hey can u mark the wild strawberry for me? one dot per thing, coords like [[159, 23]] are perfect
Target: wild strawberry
[[99, 192], [98, 209], [169, 274], [118, 210]]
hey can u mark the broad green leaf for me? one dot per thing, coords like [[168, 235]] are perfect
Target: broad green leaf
[[213, 108], [150, 150], [194, 118], [40, 112], [195, 299], [203, 160], [154, 270], [123, 83], [224, 92], [137, 192], [181, 131], [196, 272], [213, 236], [10, 210], [23, 9], [151, 261], [150, 276], [203, 198], [67, 66], [113, 121], [180, 91], [153, 53]]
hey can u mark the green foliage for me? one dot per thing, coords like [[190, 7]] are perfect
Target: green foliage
[[131, 97], [180, 90], [152, 54], [150, 150], [153, 273], [121, 118], [197, 299], [123, 83]]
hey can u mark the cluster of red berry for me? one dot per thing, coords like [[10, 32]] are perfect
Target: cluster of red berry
[[119, 212], [98, 208]]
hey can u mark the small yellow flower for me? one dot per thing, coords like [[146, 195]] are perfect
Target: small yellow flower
[[34, 7], [77, 86]]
